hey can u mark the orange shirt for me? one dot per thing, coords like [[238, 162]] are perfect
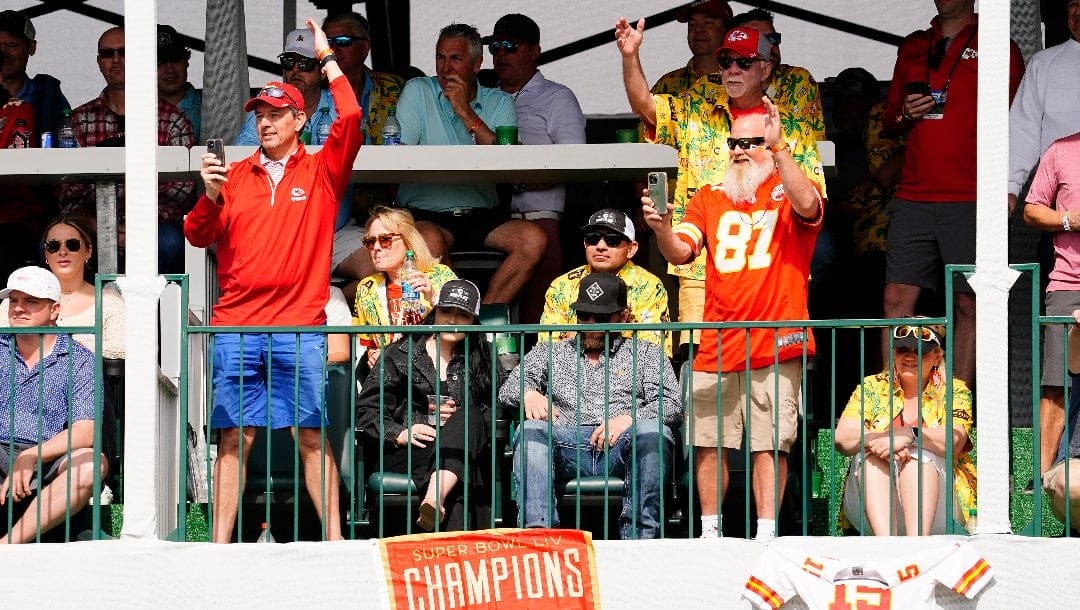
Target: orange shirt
[[758, 268]]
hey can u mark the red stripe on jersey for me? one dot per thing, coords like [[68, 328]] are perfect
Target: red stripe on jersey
[[762, 590], [970, 577]]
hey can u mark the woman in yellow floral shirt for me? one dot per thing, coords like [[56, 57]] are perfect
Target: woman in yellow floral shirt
[[895, 426]]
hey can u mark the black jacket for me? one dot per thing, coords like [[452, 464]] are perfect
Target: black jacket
[[389, 380]]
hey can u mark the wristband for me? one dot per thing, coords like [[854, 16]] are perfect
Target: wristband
[[329, 57], [475, 127], [1065, 222], [775, 148], [323, 53]]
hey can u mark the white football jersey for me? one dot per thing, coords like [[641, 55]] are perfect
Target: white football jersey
[[828, 583]]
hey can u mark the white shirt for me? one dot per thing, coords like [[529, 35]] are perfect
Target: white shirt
[[547, 113], [1046, 107]]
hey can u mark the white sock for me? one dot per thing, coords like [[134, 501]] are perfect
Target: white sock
[[766, 529], [710, 523]]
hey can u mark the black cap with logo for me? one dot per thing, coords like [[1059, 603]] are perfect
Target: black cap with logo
[[600, 293]]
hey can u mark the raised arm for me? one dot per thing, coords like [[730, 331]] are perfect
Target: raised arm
[[629, 39], [800, 191]]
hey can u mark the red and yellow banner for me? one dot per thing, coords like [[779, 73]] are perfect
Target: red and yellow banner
[[502, 568]]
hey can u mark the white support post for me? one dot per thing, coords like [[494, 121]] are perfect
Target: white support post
[[142, 287], [993, 278]]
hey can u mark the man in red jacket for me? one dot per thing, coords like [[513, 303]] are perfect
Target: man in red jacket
[[271, 217]]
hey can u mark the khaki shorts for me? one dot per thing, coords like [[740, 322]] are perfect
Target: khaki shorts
[[701, 419], [1054, 484], [691, 306], [346, 242]]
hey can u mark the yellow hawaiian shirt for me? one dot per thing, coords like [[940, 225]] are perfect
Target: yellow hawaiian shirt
[[371, 308], [645, 295], [697, 124], [385, 90], [868, 202], [879, 403]]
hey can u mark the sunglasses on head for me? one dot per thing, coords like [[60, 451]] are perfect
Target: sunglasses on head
[[611, 239], [588, 316], [277, 92], [773, 38], [344, 40], [746, 143], [385, 240], [107, 53], [288, 62], [53, 245], [505, 45], [922, 332], [744, 63]]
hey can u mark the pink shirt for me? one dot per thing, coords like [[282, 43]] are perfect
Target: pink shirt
[[1057, 184]]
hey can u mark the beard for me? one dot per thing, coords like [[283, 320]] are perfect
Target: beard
[[593, 341], [741, 182]]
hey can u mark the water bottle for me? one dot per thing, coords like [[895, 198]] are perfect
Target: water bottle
[[412, 309], [391, 131], [324, 125], [65, 134], [265, 535]]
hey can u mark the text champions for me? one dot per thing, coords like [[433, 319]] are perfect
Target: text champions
[[494, 568]]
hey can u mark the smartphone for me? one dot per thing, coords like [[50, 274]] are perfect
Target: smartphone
[[919, 87], [658, 191], [216, 147]]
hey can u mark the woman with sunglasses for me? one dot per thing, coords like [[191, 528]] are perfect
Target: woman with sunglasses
[[431, 375], [68, 251], [388, 234], [896, 425]]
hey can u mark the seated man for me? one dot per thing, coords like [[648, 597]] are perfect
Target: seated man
[[609, 245], [452, 108], [1060, 486], [55, 435], [565, 410]]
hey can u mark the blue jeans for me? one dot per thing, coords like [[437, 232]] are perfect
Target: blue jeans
[[550, 461]]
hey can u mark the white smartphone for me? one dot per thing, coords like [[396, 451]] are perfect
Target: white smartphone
[[658, 191]]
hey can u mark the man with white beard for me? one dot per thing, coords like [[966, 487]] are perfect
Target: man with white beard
[[758, 230]]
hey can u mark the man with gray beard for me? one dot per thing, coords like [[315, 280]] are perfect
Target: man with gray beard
[[759, 230], [598, 404]]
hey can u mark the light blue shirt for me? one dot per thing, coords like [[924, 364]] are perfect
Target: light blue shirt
[[191, 106], [426, 117]]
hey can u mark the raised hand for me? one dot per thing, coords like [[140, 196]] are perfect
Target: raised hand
[[628, 37]]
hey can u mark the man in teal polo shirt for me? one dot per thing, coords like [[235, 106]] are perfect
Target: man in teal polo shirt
[[452, 108]]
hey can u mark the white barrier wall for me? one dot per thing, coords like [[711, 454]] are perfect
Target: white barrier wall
[[1030, 573]]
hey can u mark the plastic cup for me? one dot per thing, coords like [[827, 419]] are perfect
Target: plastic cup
[[626, 136], [506, 134], [434, 402]]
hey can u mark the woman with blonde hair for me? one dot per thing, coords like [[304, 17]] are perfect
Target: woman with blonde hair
[[388, 235], [896, 425]]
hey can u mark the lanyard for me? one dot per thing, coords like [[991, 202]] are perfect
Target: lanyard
[[956, 62]]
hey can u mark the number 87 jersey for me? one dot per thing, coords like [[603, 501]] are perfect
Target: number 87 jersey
[[827, 583], [757, 268]]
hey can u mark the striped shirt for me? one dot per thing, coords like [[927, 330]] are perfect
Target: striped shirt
[[62, 381]]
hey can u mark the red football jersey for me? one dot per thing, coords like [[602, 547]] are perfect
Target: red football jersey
[[758, 269]]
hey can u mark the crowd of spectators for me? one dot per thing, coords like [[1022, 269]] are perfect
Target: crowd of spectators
[[751, 228]]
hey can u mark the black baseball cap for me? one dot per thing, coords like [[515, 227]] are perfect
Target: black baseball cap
[[609, 218], [14, 22], [600, 293], [460, 294], [855, 82], [169, 46], [515, 26]]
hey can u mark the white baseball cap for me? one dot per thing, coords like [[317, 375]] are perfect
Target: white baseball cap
[[34, 281]]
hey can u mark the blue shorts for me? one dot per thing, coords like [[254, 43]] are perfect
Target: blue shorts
[[285, 370]]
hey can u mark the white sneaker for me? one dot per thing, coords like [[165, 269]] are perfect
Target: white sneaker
[[106, 495], [767, 535], [712, 531]]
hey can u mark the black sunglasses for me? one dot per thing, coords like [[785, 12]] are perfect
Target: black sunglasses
[[505, 45], [53, 245], [107, 53], [745, 143], [344, 40], [385, 240], [773, 38], [613, 240], [588, 316], [306, 64], [744, 63]]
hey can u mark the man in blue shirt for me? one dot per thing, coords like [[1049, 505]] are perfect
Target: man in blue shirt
[[47, 382], [173, 86], [452, 108], [18, 41]]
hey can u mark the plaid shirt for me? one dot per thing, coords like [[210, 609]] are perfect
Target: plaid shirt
[[95, 122]]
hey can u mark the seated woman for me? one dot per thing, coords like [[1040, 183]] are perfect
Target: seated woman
[[894, 425], [388, 234], [385, 413]]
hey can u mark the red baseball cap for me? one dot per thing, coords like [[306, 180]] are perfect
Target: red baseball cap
[[278, 95], [747, 42], [712, 8]]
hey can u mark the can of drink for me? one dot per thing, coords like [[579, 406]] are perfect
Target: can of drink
[[47, 140]]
